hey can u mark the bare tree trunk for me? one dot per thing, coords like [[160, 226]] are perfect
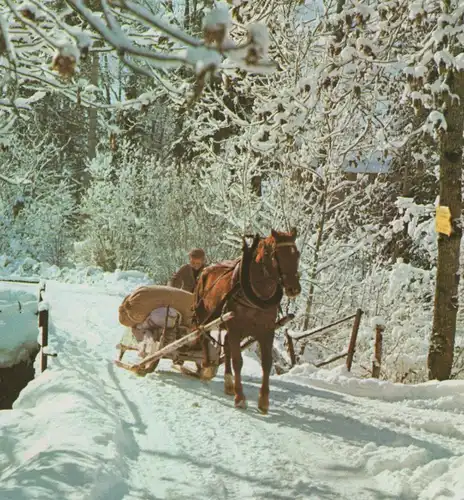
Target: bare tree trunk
[[320, 234], [93, 117], [187, 15], [441, 349]]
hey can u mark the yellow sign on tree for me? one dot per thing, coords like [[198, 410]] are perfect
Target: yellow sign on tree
[[443, 221]]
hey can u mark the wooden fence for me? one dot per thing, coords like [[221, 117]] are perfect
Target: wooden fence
[[351, 347]]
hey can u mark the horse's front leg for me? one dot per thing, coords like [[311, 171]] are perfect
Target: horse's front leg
[[228, 378], [237, 363], [208, 369], [265, 344]]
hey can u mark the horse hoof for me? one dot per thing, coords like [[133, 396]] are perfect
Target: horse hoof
[[263, 405], [208, 372], [241, 403], [263, 410], [229, 385]]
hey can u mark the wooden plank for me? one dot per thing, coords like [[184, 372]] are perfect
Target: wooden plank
[[353, 338], [43, 327], [326, 327], [291, 349], [331, 360], [127, 347]]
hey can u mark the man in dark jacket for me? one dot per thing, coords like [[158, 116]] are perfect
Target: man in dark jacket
[[186, 277]]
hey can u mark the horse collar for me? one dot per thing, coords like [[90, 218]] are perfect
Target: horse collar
[[247, 287]]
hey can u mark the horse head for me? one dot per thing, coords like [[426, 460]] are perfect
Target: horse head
[[280, 255]]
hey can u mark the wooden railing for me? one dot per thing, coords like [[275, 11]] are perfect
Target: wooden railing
[[349, 354]]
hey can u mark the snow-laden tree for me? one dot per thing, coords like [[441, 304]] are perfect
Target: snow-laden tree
[[31, 63], [272, 152], [342, 116], [36, 209], [144, 214], [413, 50]]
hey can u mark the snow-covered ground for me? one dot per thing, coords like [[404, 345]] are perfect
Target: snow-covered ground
[[86, 430]]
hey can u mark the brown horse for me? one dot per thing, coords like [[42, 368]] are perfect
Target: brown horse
[[252, 288]]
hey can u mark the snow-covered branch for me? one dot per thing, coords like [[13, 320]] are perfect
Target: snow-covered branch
[[45, 47], [14, 182]]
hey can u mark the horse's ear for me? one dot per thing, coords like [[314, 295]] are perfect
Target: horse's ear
[[274, 233], [294, 232]]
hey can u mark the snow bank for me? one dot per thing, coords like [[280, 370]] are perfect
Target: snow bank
[[446, 395], [404, 470], [63, 436], [18, 323], [409, 472]]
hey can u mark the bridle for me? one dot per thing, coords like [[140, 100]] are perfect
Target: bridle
[[282, 276], [245, 282]]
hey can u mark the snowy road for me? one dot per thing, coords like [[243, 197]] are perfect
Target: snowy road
[[166, 436]]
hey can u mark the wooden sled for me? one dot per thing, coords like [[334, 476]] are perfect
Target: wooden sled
[[172, 351]]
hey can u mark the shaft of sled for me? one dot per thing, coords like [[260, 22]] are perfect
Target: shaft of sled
[[184, 340]]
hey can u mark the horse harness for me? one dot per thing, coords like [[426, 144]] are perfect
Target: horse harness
[[248, 297]]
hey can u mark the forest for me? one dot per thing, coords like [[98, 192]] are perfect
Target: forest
[[132, 131]]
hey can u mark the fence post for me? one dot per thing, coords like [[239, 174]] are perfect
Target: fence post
[[376, 363], [43, 327], [353, 338], [291, 348]]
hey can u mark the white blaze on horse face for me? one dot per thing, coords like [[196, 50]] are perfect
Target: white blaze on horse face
[[290, 275]]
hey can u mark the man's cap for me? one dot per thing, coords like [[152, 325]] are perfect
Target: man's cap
[[197, 253]]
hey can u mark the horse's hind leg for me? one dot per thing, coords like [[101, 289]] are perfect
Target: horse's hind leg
[[237, 363], [265, 344], [228, 378]]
